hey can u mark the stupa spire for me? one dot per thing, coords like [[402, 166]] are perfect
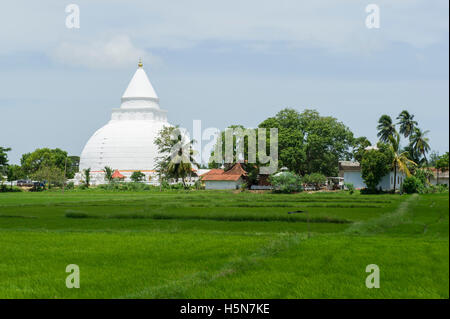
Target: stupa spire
[[140, 92]]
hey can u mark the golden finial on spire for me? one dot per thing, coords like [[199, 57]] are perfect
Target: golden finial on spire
[[140, 63]]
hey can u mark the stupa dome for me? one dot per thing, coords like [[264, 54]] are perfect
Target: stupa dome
[[126, 142]]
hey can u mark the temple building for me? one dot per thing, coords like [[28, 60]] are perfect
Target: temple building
[[126, 142]]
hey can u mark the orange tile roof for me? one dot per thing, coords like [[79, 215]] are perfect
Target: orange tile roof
[[117, 174], [218, 174]]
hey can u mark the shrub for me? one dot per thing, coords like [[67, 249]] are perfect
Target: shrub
[[286, 182], [374, 165], [411, 185], [82, 186], [70, 185], [137, 176], [4, 188], [314, 179], [350, 187]]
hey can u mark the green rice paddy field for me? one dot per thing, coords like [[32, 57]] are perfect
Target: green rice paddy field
[[213, 244]]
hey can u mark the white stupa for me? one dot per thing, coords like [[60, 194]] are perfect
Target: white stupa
[[126, 142]]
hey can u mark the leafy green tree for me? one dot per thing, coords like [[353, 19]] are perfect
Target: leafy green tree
[[310, 143], [400, 160], [442, 165], [137, 176], [176, 158], [4, 159], [49, 174], [286, 182], [407, 123], [375, 164], [327, 141], [411, 185], [386, 128], [359, 147], [108, 173], [420, 142], [87, 176], [291, 148], [13, 173], [73, 164], [32, 162], [314, 179]]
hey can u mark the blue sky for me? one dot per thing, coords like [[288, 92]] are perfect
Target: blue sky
[[227, 62]]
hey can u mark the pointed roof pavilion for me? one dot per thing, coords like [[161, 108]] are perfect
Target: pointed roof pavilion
[[117, 174]]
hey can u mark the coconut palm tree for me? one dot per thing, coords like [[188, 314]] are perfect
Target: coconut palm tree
[[386, 129], [182, 161], [108, 173], [176, 158], [400, 159], [407, 123], [420, 143]]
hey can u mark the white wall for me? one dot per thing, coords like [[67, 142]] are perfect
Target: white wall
[[222, 184], [386, 183]]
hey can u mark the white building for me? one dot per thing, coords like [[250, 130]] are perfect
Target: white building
[[126, 142], [219, 179], [351, 172]]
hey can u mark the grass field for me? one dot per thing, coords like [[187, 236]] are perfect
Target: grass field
[[212, 244]]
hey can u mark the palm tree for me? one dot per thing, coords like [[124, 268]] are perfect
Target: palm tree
[[176, 158], [108, 173], [407, 123], [182, 161], [419, 142], [400, 159], [386, 129], [87, 176]]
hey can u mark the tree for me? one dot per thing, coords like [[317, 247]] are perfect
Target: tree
[[286, 182], [73, 166], [3, 159], [386, 128], [49, 174], [400, 160], [13, 173], [375, 164], [137, 176], [327, 141], [315, 179], [442, 165], [291, 148], [87, 176], [108, 173], [359, 147], [310, 143], [420, 143], [407, 123], [32, 162], [176, 158]]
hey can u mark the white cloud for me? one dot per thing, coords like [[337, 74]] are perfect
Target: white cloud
[[115, 53], [328, 24]]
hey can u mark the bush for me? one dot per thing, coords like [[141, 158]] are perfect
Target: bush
[[286, 182], [70, 185], [350, 187], [411, 185], [83, 186], [315, 179], [5, 188]]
